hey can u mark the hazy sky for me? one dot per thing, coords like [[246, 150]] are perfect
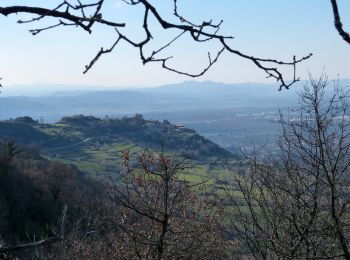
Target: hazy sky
[[267, 28]]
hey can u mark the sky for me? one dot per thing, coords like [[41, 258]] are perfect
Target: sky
[[270, 28]]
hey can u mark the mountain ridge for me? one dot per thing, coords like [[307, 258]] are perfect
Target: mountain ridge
[[187, 96]]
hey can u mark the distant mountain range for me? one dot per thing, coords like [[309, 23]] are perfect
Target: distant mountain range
[[182, 98], [186, 96]]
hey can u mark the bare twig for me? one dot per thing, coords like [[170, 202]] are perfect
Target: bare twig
[[42, 242], [77, 15]]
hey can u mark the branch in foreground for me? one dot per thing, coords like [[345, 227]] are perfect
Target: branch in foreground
[[337, 22], [77, 15], [44, 12], [42, 242]]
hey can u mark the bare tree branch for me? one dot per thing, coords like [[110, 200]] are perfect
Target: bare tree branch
[[43, 12], [337, 22], [42, 242], [77, 15]]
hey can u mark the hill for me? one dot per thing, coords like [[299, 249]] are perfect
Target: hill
[[94, 145]]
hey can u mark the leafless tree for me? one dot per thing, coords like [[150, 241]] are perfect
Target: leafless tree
[[85, 16], [296, 205], [162, 216]]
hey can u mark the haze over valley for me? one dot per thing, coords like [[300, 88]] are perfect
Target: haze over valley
[[235, 116]]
